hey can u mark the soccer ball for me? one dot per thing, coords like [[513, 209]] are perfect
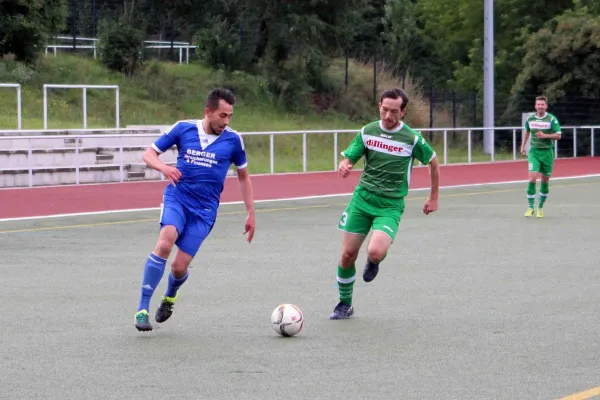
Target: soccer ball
[[287, 320]]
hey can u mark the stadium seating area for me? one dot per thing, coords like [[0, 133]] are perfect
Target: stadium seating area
[[64, 157]]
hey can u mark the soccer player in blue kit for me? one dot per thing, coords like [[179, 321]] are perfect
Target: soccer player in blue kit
[[206, 150]]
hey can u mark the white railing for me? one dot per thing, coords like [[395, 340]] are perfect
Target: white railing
[[122, 143], [84, 87], [18, 87], [149, 44]]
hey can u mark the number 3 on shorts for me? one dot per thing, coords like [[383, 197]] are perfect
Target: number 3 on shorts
[[344, 219]]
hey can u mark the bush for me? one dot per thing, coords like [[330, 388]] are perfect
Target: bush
[[221, 47], [12, 71], [121, 46], [26, 26]]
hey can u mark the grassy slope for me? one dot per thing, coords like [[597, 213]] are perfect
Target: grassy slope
[[165, 93]]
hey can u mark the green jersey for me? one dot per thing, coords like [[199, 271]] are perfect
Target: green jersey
[[546, 124], [389, 157]]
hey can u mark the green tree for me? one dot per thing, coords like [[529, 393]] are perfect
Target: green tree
[[26, 26], [121, 44], [562, 58]]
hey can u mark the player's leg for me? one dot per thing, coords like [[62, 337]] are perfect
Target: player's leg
[[356, 225], [188, 243], [177, 277], [376, 252], [384, 228], [546, 171], [534, 172], [172, 221]]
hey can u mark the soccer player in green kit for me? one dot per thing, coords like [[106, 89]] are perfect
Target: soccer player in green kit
[[390, 148], [544, 130]]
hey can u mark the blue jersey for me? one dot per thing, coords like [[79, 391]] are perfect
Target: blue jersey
[[203, 161]]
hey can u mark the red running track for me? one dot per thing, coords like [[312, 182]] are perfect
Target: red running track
[[40, 201]]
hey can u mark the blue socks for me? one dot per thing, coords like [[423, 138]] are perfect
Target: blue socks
[[153, 272], [174, 284]]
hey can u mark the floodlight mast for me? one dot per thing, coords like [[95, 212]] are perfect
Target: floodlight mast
[[488, 78]]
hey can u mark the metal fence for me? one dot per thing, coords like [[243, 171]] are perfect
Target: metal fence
[[450, 143], [148, 44], [19, 101]]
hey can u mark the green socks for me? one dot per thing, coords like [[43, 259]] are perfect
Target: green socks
[[544, 190], [531, 193], [543, 193], [345, 279]]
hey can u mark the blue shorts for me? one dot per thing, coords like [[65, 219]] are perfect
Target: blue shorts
[[191, 228]]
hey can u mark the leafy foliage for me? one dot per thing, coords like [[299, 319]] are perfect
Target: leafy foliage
[[26, 26], [290, 46], [121, 46], [562, 58]]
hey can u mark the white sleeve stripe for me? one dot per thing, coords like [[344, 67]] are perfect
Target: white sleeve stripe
[[239, 135], [244, 165], [159, 151], [432, 156]]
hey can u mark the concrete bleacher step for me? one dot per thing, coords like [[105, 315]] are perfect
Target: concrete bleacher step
[[71, 142], [136, 175], [104, 158]]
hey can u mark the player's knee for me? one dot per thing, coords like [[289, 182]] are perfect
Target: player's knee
[[349, 256], [166, 241], [178, 267], [164, 247], [376, 254]]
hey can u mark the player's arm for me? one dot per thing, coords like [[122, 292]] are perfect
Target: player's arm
[[423, 152], [241, 164], [434, 176], [556, 132], [248, 196], [162, 144], [525, 137], [352, 154]]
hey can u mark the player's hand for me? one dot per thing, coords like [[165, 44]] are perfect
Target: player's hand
[[430, 206], [345, 168], [171, 173], [523, 152], [540, 135], [250, 226]]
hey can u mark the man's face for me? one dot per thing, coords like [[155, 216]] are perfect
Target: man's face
[[221, 117], [541, 106], [389, 112]]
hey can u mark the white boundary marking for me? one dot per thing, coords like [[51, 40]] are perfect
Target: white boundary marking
[[324, 196]]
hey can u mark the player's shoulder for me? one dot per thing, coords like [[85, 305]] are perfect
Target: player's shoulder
[[552, 117], [229, 130], [370, 127], [409, 130], [412, 133], [182, 126], [234, 135]]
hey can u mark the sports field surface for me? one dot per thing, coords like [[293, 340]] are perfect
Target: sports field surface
[[474, 301]]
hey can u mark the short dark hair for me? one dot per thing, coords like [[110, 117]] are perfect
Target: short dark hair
[[212, 102], [394, 94], [542, 98]]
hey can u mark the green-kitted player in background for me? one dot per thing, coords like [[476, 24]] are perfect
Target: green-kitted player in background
[[390, 148], [544, 130]]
